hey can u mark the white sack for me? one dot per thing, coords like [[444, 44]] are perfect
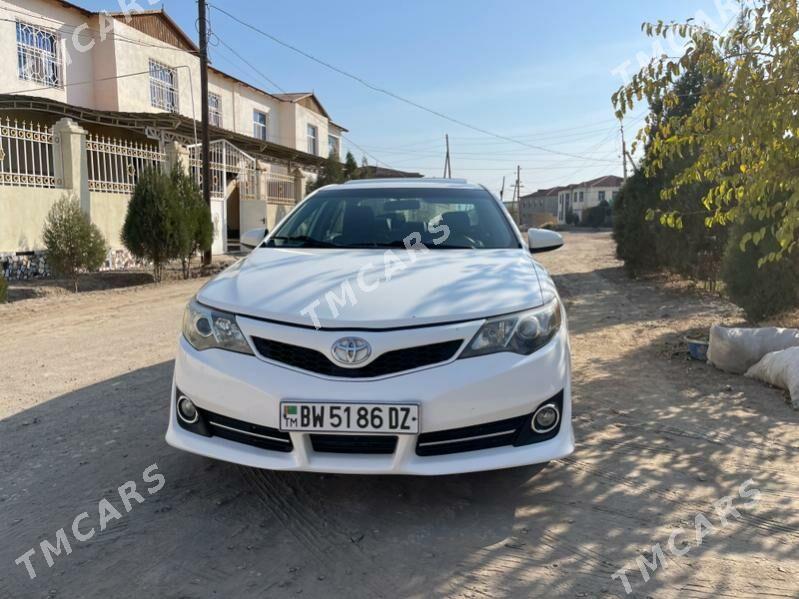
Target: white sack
[[780, 369], [736, 350]]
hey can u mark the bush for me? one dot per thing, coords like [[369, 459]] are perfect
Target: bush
[[598, 215], [3, 290], [193, 219], [761, 291], [152, 228], [633, 233], [73, 243]]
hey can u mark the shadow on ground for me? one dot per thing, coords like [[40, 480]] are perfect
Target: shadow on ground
[[659, 439]]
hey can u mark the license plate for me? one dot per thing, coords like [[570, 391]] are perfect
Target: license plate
[[402, 419]]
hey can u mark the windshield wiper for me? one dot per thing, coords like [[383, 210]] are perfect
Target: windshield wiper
[[304, 240], [401, 244]]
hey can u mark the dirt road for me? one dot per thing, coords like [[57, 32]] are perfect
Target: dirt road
[[85, 382]]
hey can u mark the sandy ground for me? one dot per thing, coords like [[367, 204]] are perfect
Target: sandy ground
[[83, 401]]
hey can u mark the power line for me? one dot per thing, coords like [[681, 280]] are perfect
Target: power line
[[387, 92], [249, 64], [372, 156], [88, 81]]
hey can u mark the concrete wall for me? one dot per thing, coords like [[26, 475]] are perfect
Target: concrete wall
[[23, 211], [108, 211]]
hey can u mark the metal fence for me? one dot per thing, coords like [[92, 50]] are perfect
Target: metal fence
[[115, 165], [26, 154], [227, 164], [280, 188]]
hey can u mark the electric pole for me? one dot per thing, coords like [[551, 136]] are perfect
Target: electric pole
[[502, 189], [623, 148], [205, 137], [447, 163], [517, 193]]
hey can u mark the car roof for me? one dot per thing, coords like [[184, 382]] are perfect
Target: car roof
[[405, 182]]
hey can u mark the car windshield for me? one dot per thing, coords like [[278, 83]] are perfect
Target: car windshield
[[448, 218]]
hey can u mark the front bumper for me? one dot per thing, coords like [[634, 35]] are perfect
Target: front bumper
[[458, 394]]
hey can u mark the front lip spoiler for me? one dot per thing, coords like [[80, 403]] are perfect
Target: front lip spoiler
[[363, 329]]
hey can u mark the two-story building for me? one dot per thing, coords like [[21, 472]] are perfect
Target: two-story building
[[90, 99], [581, 196], [539, 208]]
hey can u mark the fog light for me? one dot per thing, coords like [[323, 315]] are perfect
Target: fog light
[[186, 410], [545, 418]]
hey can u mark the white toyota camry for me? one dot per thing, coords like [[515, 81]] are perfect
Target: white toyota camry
[[392, 326]]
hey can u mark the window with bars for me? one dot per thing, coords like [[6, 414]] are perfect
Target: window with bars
[[163, 87], [214, 109], [38, 55], [259, 125], [333, 146], [313, 140]]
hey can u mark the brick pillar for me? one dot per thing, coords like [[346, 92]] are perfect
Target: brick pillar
[[176, 155], [299, 186], [69, 158], [262, 170]]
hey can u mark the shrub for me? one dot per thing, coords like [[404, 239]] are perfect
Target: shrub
[[73, 243], [761, 291], [152, 225], [195, 228], [633, 233], [597, 215], [3, 289]]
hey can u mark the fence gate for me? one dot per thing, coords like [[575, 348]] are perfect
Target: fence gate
[[233, 181]]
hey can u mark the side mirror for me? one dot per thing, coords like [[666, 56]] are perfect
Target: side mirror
[[253, 238], [543, 240]]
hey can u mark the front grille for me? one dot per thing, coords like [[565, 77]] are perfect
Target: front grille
[[244, 432], [398, 360], [372, 444]]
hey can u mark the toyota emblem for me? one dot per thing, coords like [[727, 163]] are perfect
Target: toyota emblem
[[351, 350]]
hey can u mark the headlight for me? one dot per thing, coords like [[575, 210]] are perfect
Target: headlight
[[521, 333], [206, 327]]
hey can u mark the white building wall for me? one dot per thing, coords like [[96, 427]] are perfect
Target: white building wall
[[126, 51], [51, 16]]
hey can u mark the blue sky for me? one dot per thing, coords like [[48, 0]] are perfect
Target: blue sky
[[538, 71]]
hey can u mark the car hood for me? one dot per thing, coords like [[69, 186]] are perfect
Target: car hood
[[377, 288]]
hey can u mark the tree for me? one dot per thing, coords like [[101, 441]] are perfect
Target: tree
[[331, 172], [152, 229], [74, 244], [597, 215], [764, 291], [193, 219], [685, 247], [350, 167], [743, 129]]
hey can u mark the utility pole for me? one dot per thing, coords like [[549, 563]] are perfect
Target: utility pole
[[623, 148], [502, 189], [447, 163], [517, 192], [205, 136]]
